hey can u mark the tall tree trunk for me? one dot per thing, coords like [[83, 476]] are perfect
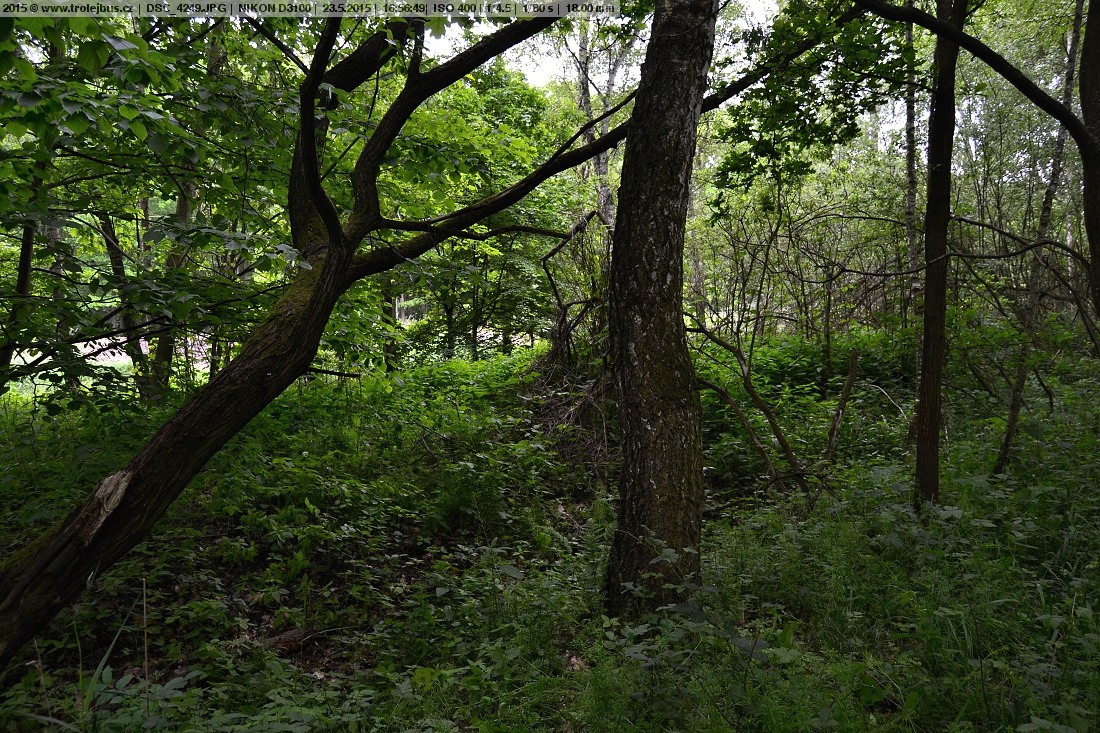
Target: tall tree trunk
[[661, 485], [583, 62], [19, 302], [164, 349], [915, 308], [1089, 88], [164, 352], [1084, 129], [937, 218]]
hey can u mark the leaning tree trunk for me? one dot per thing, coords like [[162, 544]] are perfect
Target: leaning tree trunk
[[937, 217], [655, 547], [44, 577]]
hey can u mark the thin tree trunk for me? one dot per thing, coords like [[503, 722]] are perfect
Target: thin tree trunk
[[19, 304], [654, 551], [754, 438], [912, 236], [10, 335], [164, 352], [842, 402], [132, 343], [1089, 87], [1084, 129], [164, 349], [937, 218], [798, 470]]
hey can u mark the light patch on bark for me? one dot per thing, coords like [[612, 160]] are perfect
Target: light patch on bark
[[108, 495]]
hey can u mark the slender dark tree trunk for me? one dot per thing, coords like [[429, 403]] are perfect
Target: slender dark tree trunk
[[132, 343], [9, 336], [915, 309], [22, 290], [655, 547], [937, 218], [798, 471], [164, 351], [164, 348], [1089, 88]]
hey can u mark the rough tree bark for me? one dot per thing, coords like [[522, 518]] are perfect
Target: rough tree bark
[[654, 549], [937, 218]]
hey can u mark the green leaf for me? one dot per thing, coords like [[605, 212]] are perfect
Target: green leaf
[[93, 55], [29, 99], [138, 128], [77, 124], [82, 26], [158, 143]]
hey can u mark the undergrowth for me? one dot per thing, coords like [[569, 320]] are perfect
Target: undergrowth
[[412, 553]]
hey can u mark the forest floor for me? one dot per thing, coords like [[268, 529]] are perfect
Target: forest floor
[[424, 552]]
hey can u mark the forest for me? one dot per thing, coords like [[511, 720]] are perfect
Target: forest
[[698, 367]]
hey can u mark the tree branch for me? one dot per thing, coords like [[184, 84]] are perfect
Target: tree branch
[[307, 141], [995, 61]]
